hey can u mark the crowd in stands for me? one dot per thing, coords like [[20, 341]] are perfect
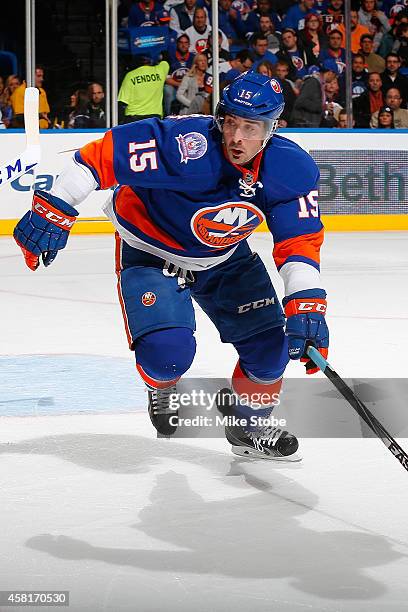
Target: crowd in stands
[[85, 109], [301, 43]]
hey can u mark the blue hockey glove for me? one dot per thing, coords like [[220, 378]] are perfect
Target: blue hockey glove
[[44, 229], [306, 325]]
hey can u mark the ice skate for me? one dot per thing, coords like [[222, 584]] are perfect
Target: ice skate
[[160, 411], [267, 442]]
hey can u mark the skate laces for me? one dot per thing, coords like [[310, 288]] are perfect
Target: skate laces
[[161, 400], [184, 277], [268, 436]]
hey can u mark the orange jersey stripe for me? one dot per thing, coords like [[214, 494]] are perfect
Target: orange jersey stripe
[[118, 268], [98, 155], [307, 245], [132, 209]]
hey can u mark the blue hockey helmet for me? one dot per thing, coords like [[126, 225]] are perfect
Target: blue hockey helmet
[[252, 96]]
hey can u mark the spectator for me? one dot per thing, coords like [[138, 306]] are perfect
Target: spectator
[[17, 102], [9, 85], [76, 114], [267, 28], [331, 105], [163, 20], [263, 9], [369, 102], [357, 31], [180, 62], [259, 50], [142, 13], [282, 70], [391, 77], [308, 107], [2, 88], [393, 100], [388, 39], [192, 83], [334, 50], [342, 119], [182, 15], [96, 106], [295, 17], [334, 15], [298, 57], [79, 118], [386, 118], [198, 33], [224, 56], [141, 92], [400, 45], [375, 20], [373, 61], [313, 35], [229, 71], [269, 70], [227, 21], [392, 7], [359, 75]]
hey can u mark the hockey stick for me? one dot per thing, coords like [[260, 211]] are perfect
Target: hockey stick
[[358, 406], [32, 153]]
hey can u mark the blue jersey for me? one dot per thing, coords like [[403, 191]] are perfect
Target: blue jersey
[[179, 64], [178, 196]]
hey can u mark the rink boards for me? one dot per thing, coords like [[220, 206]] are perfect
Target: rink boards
[[364, 178]]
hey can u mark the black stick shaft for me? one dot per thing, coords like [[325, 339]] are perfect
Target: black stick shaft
[[361, 409]]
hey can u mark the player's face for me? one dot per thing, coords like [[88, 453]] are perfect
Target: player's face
[[243, 138]]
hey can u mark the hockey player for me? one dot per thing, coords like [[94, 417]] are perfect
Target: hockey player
[[191, 190]]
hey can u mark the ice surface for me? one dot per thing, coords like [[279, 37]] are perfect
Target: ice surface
[[93, 503]]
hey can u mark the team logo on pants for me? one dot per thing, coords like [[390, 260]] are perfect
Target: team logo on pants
[[148, 298], [223, 226]]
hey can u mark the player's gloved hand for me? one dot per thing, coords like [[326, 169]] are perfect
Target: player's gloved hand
[[44, 230], [306, 325]]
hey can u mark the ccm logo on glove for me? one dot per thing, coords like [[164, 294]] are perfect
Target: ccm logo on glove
[[51, 214], [297, 307]]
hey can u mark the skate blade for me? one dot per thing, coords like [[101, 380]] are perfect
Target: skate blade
[[249, 453]]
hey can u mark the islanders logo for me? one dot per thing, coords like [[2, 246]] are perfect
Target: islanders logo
[[276, 86], [148, 298], [223, 226], [191, 146]]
